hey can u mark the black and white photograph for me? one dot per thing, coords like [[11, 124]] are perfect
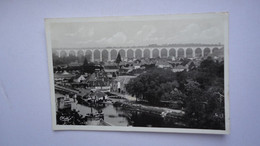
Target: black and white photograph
[[161, 73]]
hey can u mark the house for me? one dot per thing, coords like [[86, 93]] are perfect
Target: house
[[126, 69], [122, 63], [91, 79], [79, 78], [136, 65], [145, 62], [173, 58], [137, 61], [179, 68], [96, 95], [111, 70], [163, 64], [58, 77], [63, 103]]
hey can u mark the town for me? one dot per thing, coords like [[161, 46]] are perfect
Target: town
[[140, 86]]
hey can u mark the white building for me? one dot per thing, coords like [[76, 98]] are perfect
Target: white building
[[79, 79]]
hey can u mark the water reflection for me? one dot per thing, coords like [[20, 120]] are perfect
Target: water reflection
[[112, 116]]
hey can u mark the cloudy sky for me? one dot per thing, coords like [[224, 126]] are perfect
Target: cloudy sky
[[137, 33]]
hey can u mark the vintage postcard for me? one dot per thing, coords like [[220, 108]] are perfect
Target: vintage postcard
[[164, 73]]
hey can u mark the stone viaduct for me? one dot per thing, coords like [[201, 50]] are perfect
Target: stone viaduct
[[110, 53]]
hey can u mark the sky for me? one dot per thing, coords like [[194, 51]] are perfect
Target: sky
[[133, 32]]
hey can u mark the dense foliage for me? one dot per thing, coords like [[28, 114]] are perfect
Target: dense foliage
[[86, 67], [66, 60], [199, 91]]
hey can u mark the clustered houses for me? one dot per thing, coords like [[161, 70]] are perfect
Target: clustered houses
[[117, 75]]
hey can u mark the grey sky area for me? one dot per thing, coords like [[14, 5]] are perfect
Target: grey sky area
[[137, 33]]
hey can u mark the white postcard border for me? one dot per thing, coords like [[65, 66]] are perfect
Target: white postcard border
[[141, 18]]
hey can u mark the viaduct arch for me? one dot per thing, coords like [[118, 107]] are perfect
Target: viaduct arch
[[110, 54]]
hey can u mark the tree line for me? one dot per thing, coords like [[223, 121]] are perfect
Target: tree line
[[65, 60]]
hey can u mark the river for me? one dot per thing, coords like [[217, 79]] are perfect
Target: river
[[112, 116], [117, 116]]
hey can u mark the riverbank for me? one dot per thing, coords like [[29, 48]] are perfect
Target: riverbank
[[119, 111], [126, 96], [159, 111]]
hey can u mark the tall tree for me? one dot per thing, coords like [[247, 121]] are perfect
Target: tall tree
[[85, 62], [118, 58]]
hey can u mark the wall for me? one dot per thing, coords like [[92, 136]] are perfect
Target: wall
[[25, 112]]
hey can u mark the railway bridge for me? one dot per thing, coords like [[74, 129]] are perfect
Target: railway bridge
[[110, 53]]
